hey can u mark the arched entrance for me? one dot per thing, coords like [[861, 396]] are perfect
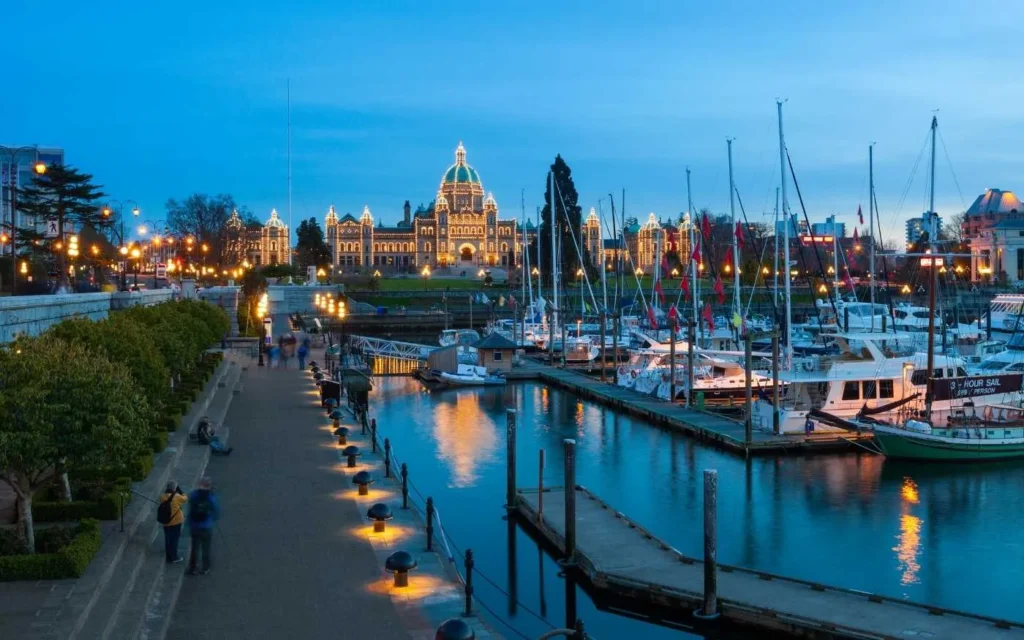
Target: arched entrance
[[466, 253]]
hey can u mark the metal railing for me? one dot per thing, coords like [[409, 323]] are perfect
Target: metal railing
[[390, 348]]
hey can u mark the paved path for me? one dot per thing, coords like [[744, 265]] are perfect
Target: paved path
[[286, 563]]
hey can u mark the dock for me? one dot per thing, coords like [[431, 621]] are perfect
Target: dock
[[706, 426], [622, 561]]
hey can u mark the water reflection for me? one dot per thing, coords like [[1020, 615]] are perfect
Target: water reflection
[[466, 434]]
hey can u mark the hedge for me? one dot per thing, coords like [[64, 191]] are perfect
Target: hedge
[[171, 422], [140, 467], [158, 441], [69, 562], [106, 508]]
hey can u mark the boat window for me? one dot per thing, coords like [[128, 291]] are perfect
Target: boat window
[[885, 389], [851, 391], [868, 389], [900, 314], [960, 372], [939, 374], [1016, 367], [921, 314], [919, 378], [992, 365]]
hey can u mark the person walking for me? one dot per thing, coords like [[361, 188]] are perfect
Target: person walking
[[203, 513], [169, 514], [302, 352]]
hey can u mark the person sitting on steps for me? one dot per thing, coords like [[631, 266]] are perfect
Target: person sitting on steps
[[205, 435]]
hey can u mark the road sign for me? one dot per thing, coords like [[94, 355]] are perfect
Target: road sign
[[51, 229], [161, 270], [268, 329]]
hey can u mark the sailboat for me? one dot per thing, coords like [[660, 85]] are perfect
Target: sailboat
[[996, 434]]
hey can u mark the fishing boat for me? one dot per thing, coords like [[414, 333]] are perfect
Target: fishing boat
[[965, 438], [720, 381], [470, 375]]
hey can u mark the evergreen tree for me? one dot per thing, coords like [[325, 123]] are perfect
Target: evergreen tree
[[568, 221], [64, 199], [311, 248]]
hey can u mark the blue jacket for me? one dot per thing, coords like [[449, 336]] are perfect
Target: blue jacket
[[214, 514]]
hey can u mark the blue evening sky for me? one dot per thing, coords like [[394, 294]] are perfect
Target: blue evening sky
[[162, 99]]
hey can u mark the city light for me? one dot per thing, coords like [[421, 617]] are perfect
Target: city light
[[24, 267], [426, 272], [40, 168], [123, 251]]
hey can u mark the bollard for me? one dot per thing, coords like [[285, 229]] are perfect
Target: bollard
[[373, 435], [579, 633], [570, 500], [710, 609], [540, 488], [405, 486], [510, 458], [430, 524], [454, 629], [469, 584], [387, 458]]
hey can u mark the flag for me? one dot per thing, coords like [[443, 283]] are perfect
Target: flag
[[512, 300], [849, 281], [737, 321], [658, 290], [653, 319], [719, 289], [739, 236], [673, 316], [684, 284], [705, 227], [855, 236], [860, 214], [501, 301], [484, 299], [696, 252], [708, 317]]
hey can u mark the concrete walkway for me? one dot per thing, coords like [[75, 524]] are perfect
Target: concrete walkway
[[286, 561]]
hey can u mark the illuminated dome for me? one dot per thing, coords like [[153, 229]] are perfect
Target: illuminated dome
[[460, 172], [995, 201], [367, 217], [331, 217], [274, 222]]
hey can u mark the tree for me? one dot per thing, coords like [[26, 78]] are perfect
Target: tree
[[62, 406], [568, 219], [953, 231], [311, 248], [65, 198], [202, 217]]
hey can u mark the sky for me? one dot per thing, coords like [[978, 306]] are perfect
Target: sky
[[161, 100]]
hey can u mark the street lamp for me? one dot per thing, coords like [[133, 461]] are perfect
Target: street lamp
[[261, 312], [107, 212], [40, 168], [136, 255]]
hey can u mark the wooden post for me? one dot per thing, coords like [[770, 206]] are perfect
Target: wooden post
[[691, 337], [748, 365], [510, 458], [540, 488], [469, 583], [710, 610], [570, 500], [775, 378], [604, 349], [430, 523], [672, 362]]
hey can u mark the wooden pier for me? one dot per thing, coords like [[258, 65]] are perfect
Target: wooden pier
[[622, 561], [709, 427]]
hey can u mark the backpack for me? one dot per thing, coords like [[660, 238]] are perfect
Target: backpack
[[201, 510], [163, 511]]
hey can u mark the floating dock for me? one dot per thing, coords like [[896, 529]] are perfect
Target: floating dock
[[622, 561]]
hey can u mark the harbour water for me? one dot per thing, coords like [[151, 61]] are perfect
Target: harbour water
[[947, 535]]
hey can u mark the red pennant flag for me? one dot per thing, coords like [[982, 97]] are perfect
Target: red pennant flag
[[705, 228], [710, 319], [684, 284], [728, 258], [719, 289], [849, 281], [673, 316], [860, 214], [653, 319], [739, 236], [855, 236], [696, 253], [658, 290]]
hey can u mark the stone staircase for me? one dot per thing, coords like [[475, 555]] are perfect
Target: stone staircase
[[128, 591]]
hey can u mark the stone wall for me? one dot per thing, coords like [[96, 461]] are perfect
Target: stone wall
[[282, 299], [31, 315]]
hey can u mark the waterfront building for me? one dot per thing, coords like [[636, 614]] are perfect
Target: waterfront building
[[916, 227], [829, 228], [21, 175], [265, 244], [994, 227]]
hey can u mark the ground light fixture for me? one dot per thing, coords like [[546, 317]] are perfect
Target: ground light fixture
[[352, 452], [336, 416], [455, 629], [313, 365], [330, 403], [342, 433], [318, 375], [400, 563], [380, 513], [363, 479]]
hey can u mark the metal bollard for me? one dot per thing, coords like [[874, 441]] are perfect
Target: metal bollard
[[469, 583], [373, 435], [387, 458], [430, 524], [405, 486]]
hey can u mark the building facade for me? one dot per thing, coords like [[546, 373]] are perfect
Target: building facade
[[916, 227], [19, 175], [994, 227], [260, 246]]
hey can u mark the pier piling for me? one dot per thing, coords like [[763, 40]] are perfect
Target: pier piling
[[540, 487], [510, 458], [710, 609], [469, 584], [405, 486], [430, 523], [570, 501], [373, 435]]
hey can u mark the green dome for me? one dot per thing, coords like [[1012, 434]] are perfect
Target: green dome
[[461, 173]]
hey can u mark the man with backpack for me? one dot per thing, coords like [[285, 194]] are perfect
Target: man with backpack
[[168, 513], [203, 513]]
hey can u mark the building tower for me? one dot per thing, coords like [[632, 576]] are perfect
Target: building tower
[[275, 244], [331, 230], [366, 235], [592, 237]]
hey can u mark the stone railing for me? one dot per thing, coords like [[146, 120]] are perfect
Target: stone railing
[[31, 315]]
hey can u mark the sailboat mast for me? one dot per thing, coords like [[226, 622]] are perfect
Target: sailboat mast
[[525, 262], [785, 245], [871, 223], [929, 395], [291, 229], [735, 247], [554, 248], [600, 257], [835, 260], [693, 238], [540, 256], [776, 243]]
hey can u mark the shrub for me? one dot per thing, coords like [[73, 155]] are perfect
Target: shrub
[[158, 441], [171, 421], [99, 501], [140, 467], [69, 562]]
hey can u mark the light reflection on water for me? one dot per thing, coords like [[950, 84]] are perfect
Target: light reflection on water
[[832, 519]]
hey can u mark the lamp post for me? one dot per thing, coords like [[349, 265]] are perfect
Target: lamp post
[[107, 212], [40, 169], [136, 254], [261, 312]]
